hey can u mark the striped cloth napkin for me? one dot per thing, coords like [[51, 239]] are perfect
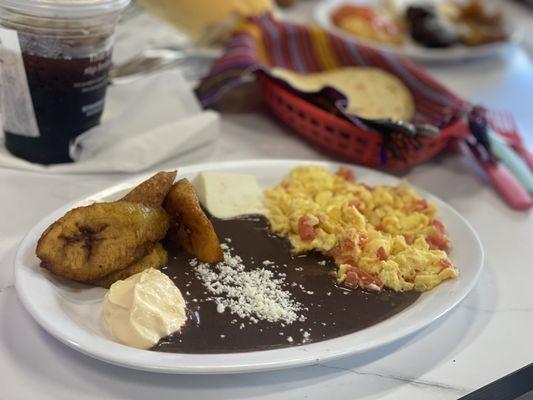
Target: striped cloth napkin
[[263, 42]]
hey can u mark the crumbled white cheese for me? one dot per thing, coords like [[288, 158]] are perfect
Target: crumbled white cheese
[[255, 294]]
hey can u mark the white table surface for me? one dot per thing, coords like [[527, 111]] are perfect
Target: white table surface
[[487, 336]]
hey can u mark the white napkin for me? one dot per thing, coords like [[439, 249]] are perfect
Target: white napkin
[[145, 122]]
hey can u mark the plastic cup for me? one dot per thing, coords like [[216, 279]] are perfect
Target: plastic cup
[[55, 58]]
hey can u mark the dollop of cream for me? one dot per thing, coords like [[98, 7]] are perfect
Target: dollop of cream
[[144, 308]]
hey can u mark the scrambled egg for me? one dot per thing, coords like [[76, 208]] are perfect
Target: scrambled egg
[[380, 236]]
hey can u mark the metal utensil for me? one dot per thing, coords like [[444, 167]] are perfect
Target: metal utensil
[[397, 126], [155, 59], [389, 126]]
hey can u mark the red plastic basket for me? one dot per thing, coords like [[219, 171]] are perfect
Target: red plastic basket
[[342, 138]]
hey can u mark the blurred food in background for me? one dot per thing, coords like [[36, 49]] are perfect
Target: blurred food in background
[[475, 23], [368, 22], [428, 23], [206, 22], [428, 27]]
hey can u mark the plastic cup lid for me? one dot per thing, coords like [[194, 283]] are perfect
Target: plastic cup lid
[[64, 8]]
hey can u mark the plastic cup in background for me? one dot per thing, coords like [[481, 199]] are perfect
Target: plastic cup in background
[[55, 57]]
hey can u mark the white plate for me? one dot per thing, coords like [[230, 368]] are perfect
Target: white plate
[[73, 313], [411, 49]]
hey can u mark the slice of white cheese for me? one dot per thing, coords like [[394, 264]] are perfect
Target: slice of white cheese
[[229, 195]]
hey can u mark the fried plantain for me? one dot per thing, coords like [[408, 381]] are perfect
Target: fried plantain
[[152, 191], [156, 258], [190, 227], [90, 242]]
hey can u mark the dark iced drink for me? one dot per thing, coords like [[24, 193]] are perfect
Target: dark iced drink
[[54, 79]]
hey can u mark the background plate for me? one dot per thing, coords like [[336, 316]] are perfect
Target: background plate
[[73, 312], [411, 49]]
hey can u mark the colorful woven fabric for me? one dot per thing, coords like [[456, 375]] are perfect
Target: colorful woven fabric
[[264, 42]]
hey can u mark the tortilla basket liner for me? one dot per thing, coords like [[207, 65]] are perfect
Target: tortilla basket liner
[[261, 43]]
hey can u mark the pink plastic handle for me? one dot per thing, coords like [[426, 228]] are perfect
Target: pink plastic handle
[[507, 185]]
